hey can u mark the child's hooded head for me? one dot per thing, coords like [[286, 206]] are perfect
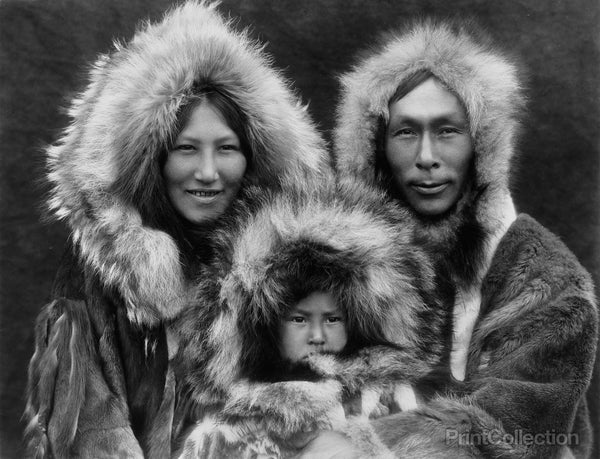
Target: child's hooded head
[[330, 273], [313, 325]]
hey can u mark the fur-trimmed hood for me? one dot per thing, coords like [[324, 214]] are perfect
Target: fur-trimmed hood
[[103, 164], [483, 79], [348, 240]]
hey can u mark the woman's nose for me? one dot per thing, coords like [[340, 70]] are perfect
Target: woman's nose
[[427, 157], [206, 168]]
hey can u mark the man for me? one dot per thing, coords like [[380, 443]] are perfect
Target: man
[[431, 118]]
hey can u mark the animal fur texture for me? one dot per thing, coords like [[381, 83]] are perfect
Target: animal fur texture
[[360, 248], [525, 315], [124, 119], [99, 380], [484, 80]]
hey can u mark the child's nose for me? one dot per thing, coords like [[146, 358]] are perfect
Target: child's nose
[[316, 334]]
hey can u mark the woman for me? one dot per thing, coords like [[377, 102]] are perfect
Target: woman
[[432, 118], [171, 130]]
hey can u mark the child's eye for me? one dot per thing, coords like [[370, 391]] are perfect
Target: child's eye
[[334, 319], [297, 319]]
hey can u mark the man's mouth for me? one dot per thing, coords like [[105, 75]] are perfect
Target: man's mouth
[[429, 188]]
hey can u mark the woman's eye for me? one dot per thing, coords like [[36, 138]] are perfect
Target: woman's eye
[[184, 147], [297, 319], [230, 147], [334, 319]]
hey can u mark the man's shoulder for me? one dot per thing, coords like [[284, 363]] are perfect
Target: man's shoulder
[[527, 234], [530, 254]]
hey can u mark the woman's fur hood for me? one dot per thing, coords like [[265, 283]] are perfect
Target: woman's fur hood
[[483, 79], [127, 114], [345, 238]]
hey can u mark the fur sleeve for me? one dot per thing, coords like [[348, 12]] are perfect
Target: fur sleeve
[[286, 408], [71, 408], [265, 419], [371, 366], [526, 399]]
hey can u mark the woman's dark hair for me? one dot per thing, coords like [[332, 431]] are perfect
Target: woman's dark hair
[[153, 202]]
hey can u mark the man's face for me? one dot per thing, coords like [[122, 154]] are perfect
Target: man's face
[[314, 325], [428, 147]]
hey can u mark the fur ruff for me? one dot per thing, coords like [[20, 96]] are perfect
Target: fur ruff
[[126, 116], [358, 243], [486, 81], [483, 79], [348, 236]]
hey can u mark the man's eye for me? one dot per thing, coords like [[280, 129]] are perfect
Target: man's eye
[[404, 132], [449, 131]]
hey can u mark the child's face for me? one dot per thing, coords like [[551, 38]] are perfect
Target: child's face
[[314, 325]]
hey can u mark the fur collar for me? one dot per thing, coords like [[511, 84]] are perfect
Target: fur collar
[[348, 238], [483, 79], [124, 118]]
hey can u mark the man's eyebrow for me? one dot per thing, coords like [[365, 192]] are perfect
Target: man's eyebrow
[[439, 119]]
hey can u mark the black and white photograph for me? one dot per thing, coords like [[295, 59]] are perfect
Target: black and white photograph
[[299, 229]]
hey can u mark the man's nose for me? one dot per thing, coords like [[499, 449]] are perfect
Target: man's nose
[[206, 167], [427, 156]]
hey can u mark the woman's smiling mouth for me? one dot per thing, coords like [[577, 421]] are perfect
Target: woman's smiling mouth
[[204, 195]]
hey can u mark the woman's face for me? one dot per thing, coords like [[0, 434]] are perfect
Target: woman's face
[[205, 167], [428, 147]]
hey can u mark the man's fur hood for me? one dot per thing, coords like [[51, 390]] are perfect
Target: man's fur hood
[[350, 241], [483, 79], [103, 163]]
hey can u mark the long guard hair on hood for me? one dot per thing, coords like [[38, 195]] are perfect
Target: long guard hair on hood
[[347, 240], [105, 167], [484, 80]]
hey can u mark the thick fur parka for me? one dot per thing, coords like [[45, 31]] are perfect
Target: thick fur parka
[[105, 163], [348, 240], [525, 315], [100, 380]]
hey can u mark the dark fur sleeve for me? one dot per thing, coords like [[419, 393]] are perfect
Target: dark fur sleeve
[[527, 410], [531, 360], [72, 410]]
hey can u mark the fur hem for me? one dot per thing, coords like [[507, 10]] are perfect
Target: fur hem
[[286, 408], [365, 439], [455, 427]]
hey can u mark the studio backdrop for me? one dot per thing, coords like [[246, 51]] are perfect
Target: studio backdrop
[[46, 47]]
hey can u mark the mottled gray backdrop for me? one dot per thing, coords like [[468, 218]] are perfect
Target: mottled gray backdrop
[[44, 46]]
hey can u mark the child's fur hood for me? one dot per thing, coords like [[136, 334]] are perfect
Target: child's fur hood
[[125, 117], [348, 238], [463, 60]]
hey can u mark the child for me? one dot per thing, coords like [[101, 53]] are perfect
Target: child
[[317, 301]]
